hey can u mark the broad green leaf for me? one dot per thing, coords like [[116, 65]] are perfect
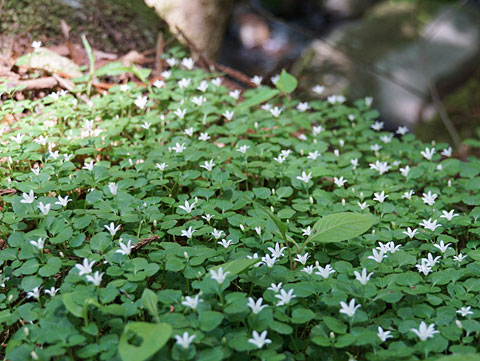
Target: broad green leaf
[[154, 337], [236, 266], [282, 227], [150, 300], [209, 320], [286, 83]]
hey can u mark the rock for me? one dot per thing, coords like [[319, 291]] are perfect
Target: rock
[[387, 40], [50, 61], [346, 8]]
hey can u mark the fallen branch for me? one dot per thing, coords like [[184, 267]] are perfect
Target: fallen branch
[[34, 84], [145, 241], [4, 192]]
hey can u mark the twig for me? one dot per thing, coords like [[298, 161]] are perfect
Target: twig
[[68, 85], [34, 84], [4, 192], [159, 49], [145, 241]]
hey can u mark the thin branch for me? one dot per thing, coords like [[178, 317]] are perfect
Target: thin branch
[[144, 241]]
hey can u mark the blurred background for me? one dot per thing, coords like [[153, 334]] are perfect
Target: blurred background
[[419, 60]]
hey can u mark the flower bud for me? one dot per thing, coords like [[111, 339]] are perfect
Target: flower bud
[[336, 152], [459, 324], [449, 182], [26, 331], [154, 222], [61, 254], [332, 335], [343, 202], [10, 298], [255, 125], [315, 141], [302, 152], [311, 199], [34, 355], [272, 209], [273, 190], [288, 221], [186, 255], [341, 142], [242, 227]]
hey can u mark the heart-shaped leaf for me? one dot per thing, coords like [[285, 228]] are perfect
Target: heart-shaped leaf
[[154, 337]]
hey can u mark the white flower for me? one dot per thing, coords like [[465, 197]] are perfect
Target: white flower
[[189, 232], [410, 232], [259, 340], [184, 82], [207, 217], [63, 201], [52, 291], [383, 335], [333, 99], [35, 171], [198, 101], [459, 258], [405, 171], [380, 167], [284, 297], [225, 243], [276, 111], [302, 107], [268, 260], [216, 233], [354, 163], [349, 309], [187, 207], [67, 157], [96, 279], [157, 84], [465, 311], [258, 230], [185, 340], [124, 249], [305, 177], [179, 148], [428, 224], [430, 260], [428, 153], [424, 267], [429, 198], [36, 44], [277, 252], [219, 275], [316, 130], [125, 87], [228, 114], [41, 140], [243, 149], [377, 256], [112, 229], [217, 81], [339, 182], [257, 80], [377, 126], [88, 166], [161, 166], [362, 205], [363, 277], [171, 62], [204, 137], [449, 215], [146, 125], [188, 63], [447, 152], [192, 302], [208, 165], [442, 246], [85, 268], [35, 293], [386, 138], [402, 130], [113, 187], [28, 198], [275, 287], [375, 147], [44, 208], [54, 155], [203, 86], [141, 102], [425, 332], [308, 269], [318, 89], [180, 113], [255, 256], [280, 159], [368, 101], [380, 197], [18, 138], [302, 259], [306, 231], [256, 307], [408, 194], [235, 94], [392, 248], [166, 74], [313, 155], [325, 272], [39, 243]]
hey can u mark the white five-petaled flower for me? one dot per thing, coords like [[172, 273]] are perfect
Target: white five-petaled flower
[[157, 84], [256, 307], [349, 309], [63, 201], [166, 74], [447, 152], [171, 62], [405, 171], [368, 101], [219, 275], [425, 332], [44, 208], [308, 269], [305, 177], [203, 86], [198, 101], [428, 153], [180, 113], [188, 63], [302, 259], [339, 182], [259, 340], [375, 147], [363, 277], [192, 302], [449, 215], [386, 138], [430, 260], [217, 233], [402, 130], [204, 137], [429, 198], [377, 126], [380, 197], [276, 111], [275, 287], [303, 106], [179, 148], [18, 138], [325, 272], [313, 155], [306, 231], [284, 297], [88, 166], [161, 166], [318, 89], [380, 167], [225, 243], [141, 101], [188, 207], [113, 187], [52, 291], [269, 260], [38, 244], [362, 205], [184, 82], [217, 81], [207, 217], [257, 80], [85, 268], [188, 131], [442, 246], [146, 125], [410, 232], [112, 229], [188, 233], [125, 249], [235, 94], [424, 267], [377, 256], [334, 99], [459, 258], [35, 171], [277, 252], [35, 293], [258, 230], [408, 194], [274, 79], [316, 130], [28, 198], [383, 335], [208, 165], [429, 224], [354, 163], [36, 44], [96, 279], [228, 114], [465, 311], [185, 340], [243, 149]]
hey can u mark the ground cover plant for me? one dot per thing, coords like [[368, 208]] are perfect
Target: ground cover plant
[[185, 221]]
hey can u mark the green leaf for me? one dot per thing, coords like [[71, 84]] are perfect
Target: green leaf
[[73, 307], [335, 325], [236, 266], [260, 96], [286, 83], [340, 227], [154, 337], [210, 320], [150, 300], [282, 227]]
